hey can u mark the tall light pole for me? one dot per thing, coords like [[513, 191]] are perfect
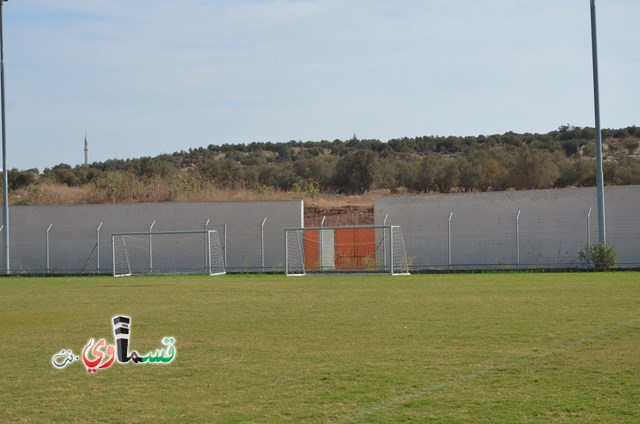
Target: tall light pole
[[602, 231], [5, 173]]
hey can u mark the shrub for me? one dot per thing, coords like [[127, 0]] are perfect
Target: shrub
[[598, 256], [307, 186]]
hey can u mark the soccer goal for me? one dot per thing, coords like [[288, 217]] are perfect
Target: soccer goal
[[168, 252], [349, 249]]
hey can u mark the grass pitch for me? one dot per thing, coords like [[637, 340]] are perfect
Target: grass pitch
[[271, 349]]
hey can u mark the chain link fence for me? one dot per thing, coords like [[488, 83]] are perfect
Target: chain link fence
[[77, 239], [513, 230], [497, 230]]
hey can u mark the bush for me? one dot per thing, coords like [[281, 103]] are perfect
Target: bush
[[309, 186], [356, 172], [598, 256]]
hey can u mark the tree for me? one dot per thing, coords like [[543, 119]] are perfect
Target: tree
[[356, 172], [577, 173], [624, 172], [285, 177], [424, 175], [446, 176], [406, 171], [231, 173], [493, 170], [485, 170], [320, 169], [396, 173], [468, 175], [631, 145], [19, 179], [62, 174], [534, 169]]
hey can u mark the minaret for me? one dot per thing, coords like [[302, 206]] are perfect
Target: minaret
[[86, 151]]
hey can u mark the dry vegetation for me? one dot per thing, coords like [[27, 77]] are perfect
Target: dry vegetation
[[339, 180], [335, 209]]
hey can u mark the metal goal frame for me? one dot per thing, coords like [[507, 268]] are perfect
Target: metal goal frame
[[354, 249], [208, 253]]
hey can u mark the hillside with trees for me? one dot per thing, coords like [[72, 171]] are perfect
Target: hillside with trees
[[429, 164]]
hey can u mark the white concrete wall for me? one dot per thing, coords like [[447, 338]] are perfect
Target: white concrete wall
[[553, 226]]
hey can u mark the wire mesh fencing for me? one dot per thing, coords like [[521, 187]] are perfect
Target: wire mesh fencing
[[515, 230], [77, 239]]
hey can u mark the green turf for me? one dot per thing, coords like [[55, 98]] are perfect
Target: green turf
[[538, 347]]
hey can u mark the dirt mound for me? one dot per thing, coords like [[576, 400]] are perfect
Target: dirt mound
[[337, 215]]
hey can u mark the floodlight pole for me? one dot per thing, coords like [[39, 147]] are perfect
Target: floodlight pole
[[602, 231], [5, 173]]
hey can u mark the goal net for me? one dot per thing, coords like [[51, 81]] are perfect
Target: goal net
[[354, 249], [168, 252]]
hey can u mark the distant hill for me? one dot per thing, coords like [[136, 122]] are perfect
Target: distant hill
[[560, 158]]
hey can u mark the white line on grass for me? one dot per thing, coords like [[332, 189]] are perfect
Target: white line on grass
[[371, 409]]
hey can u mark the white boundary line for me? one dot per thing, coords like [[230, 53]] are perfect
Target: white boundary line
[[464, 377]]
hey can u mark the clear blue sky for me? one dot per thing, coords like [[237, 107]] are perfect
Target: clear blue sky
[[148, 77]]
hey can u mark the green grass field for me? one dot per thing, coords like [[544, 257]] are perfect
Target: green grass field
[[538, 347]]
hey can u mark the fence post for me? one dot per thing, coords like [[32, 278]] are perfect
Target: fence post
[[384, 242], [50, 225], [391, 242], [98, 248], [225, 245], [286, 252], [321, 241], [151, 248], [449, 238], [262, 243], [518, 239], [207, 247], [588, 228], [2, 228]]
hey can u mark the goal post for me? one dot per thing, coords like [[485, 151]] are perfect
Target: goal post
[[360, 249], [167, 252]]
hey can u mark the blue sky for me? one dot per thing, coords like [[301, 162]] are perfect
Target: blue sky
[[148, 77]]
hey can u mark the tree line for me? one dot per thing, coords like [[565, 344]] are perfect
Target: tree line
[[560, 158]]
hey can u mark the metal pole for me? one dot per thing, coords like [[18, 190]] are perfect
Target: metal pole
[[208, 250], [5, 173], [113, 255], [262, 243], [286, 252], [518, 237], [589, 228], [98, 248], [207, 246], [151, 247], [602, 231], [50, 225], [384, 241], [449, 238], [321, 237], [391, 239]]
